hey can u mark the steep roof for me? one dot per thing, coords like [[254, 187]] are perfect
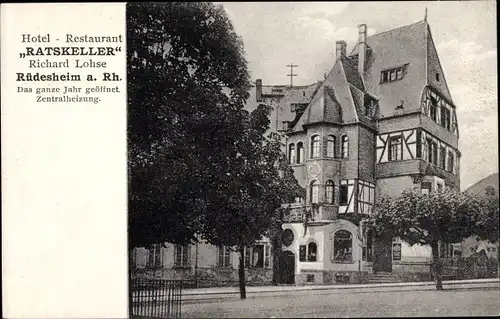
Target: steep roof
[[407, 45], [351, 73], [333, 102]]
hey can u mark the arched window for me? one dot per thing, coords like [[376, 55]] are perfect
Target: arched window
[[330, 146], [312, 252], [330, 192], [300, 152], [314, 192], [291, 154], [315, 146], [342, 246], [345, 146]]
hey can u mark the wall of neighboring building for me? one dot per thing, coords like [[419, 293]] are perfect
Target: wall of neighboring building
[[202, 267]]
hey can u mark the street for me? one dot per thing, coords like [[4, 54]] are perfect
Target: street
[[320, 304]]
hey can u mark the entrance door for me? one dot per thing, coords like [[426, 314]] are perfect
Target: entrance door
[[286, 267], [382, 251]]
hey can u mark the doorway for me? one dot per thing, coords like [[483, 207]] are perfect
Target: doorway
[[382, 251], [286, 267]]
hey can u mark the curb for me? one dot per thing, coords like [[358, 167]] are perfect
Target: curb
[[207, 292]]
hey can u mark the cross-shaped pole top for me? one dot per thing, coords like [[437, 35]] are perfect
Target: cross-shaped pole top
[[291, 75]]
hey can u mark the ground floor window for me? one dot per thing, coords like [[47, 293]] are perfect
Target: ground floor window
[[181, 256], [258, 256], [155, 256], [308, 252], [342, 246], [445, 250], [223, 256]]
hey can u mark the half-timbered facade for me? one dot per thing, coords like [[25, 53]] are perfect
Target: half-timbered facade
[[382, 121]]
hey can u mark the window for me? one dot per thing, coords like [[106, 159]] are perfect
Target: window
[[224, 256], [302, 253], [315, 146], [345, 146], [291, 154], [330, 186], [432, 151], [433, 109], [314, 192], [394, 74], [371, 106], [181, 258], [442, 157], [445, 250], [312, 250], [330, 146], [445, 118], [287, 237], [343, 195], [308, 252], [419, 143], [395, 148], [451, 162], [258, 256], [342, 246], [310, 277], [429, 150], [300, 152], [437, 77], [425, 188], [155, 256]]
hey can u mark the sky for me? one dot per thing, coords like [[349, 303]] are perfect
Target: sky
[[278, 33]]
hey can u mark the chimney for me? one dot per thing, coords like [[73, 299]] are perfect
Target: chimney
[[362, 48], [258, 90], [340, 49]]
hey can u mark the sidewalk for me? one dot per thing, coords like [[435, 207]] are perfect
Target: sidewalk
[[252, 291]]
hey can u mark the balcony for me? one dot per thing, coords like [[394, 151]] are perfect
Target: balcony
[[320, 212]]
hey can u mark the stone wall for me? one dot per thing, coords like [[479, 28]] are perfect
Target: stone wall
[[331, 277]]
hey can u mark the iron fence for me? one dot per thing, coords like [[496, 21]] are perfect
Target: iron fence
[[155, 298]]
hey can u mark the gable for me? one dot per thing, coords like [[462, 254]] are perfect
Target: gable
[[435, 74], [332, 102], [405, 46]]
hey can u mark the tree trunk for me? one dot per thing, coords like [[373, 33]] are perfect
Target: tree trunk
[[276, 244], [436, 266], [241, 271]]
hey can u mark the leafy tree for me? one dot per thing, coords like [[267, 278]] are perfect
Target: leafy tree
[[426, 219], [487, 228], [188, 82], [247, 205]]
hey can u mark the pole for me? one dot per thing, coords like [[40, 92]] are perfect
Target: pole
[[291, 75]]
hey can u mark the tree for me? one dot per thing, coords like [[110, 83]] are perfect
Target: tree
[[247, 205], [487, 228], [427, 219], [188, 82]]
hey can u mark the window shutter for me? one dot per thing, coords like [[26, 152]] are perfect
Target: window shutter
[[185, 255], [229, 257], [267, 256], [219, 256], [176, 256], [248, 254]]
